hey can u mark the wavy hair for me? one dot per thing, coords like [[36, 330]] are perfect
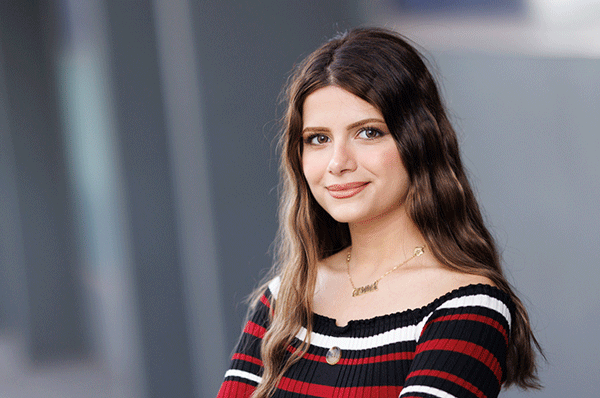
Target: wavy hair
[[380, 67]]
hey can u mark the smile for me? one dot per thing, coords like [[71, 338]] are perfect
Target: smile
[[343, 191]]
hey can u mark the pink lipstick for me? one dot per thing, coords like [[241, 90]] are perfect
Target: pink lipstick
[[343, 191]]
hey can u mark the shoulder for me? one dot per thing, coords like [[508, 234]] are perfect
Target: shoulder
[[470, 279], [468, 290], [273, 288], [426, 283], [456, 284], [470, 305], [476, 294], [262, 302], [464, 335]]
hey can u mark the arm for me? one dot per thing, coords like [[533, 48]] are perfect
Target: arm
[[461, 351], [245, 370]]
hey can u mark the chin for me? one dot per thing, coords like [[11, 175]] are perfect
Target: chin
[[364, 215], [350, 212], [348, 217]]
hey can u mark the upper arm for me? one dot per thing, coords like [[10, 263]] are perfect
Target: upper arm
[[245, 370], [462, 349]]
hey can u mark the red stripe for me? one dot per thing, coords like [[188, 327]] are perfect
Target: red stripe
[[464, 347], [255, 329], [318, 390], [247, 358], [265, 301], [472, 317], [396, 356], [450, 377], [232, 388]]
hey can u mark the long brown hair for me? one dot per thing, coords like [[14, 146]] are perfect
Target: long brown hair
[[381, 68]]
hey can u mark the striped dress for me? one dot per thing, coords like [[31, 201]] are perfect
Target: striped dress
[[453, 347]]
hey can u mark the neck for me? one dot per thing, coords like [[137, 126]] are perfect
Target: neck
[[381, 243]]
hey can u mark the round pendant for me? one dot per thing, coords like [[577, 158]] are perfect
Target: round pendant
[[333, 355]]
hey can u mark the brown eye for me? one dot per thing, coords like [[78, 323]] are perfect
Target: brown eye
[[316, 139], [369, 133]]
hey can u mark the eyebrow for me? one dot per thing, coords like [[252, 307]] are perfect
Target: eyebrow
[[350, 127]]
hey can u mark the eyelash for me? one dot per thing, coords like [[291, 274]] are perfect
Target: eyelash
[[373, 129], [308, 140]]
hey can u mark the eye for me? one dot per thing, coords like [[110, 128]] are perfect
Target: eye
[[316, 139], [369, 133]]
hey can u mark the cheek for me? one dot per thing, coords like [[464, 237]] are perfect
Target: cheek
[[391, 166], [312, 168], [388, 159]]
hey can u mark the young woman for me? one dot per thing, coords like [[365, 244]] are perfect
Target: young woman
[[387, 282]]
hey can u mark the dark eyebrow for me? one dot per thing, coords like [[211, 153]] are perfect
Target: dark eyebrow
[[363, 122], [350, 127], [315, 130]]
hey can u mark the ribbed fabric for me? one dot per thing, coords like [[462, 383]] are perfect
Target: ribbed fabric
[[453, 347]]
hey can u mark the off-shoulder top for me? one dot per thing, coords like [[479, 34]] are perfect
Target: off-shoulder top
[[455, 346]]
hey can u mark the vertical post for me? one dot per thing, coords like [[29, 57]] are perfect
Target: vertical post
[[144, 145], [55, 326]]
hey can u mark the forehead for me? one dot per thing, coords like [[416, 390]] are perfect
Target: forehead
[[334, 105]]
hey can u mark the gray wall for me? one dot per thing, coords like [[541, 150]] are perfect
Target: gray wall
[[531, 141]]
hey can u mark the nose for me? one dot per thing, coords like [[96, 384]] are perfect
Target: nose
[[342, 159]]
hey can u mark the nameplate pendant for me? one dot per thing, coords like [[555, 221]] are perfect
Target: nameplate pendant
[[364, 289]]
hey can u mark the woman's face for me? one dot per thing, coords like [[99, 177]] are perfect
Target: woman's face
[[350, 159]]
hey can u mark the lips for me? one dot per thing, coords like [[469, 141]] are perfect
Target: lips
[[343, 191]]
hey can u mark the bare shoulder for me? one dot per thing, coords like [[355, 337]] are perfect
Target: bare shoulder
[[429, 283], [470, 279], [449, 280]]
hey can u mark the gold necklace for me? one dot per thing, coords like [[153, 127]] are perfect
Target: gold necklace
[[419, 250]]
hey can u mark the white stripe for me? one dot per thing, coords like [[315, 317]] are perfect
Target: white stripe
[[274, 286], [426, 390], [243, 375], [421, 325], [479, 300], [476, 300], [406, 333]]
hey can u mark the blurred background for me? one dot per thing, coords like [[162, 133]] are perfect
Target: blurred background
[[138, 175]]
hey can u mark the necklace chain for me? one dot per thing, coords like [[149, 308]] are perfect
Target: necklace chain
[[357, 291]]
